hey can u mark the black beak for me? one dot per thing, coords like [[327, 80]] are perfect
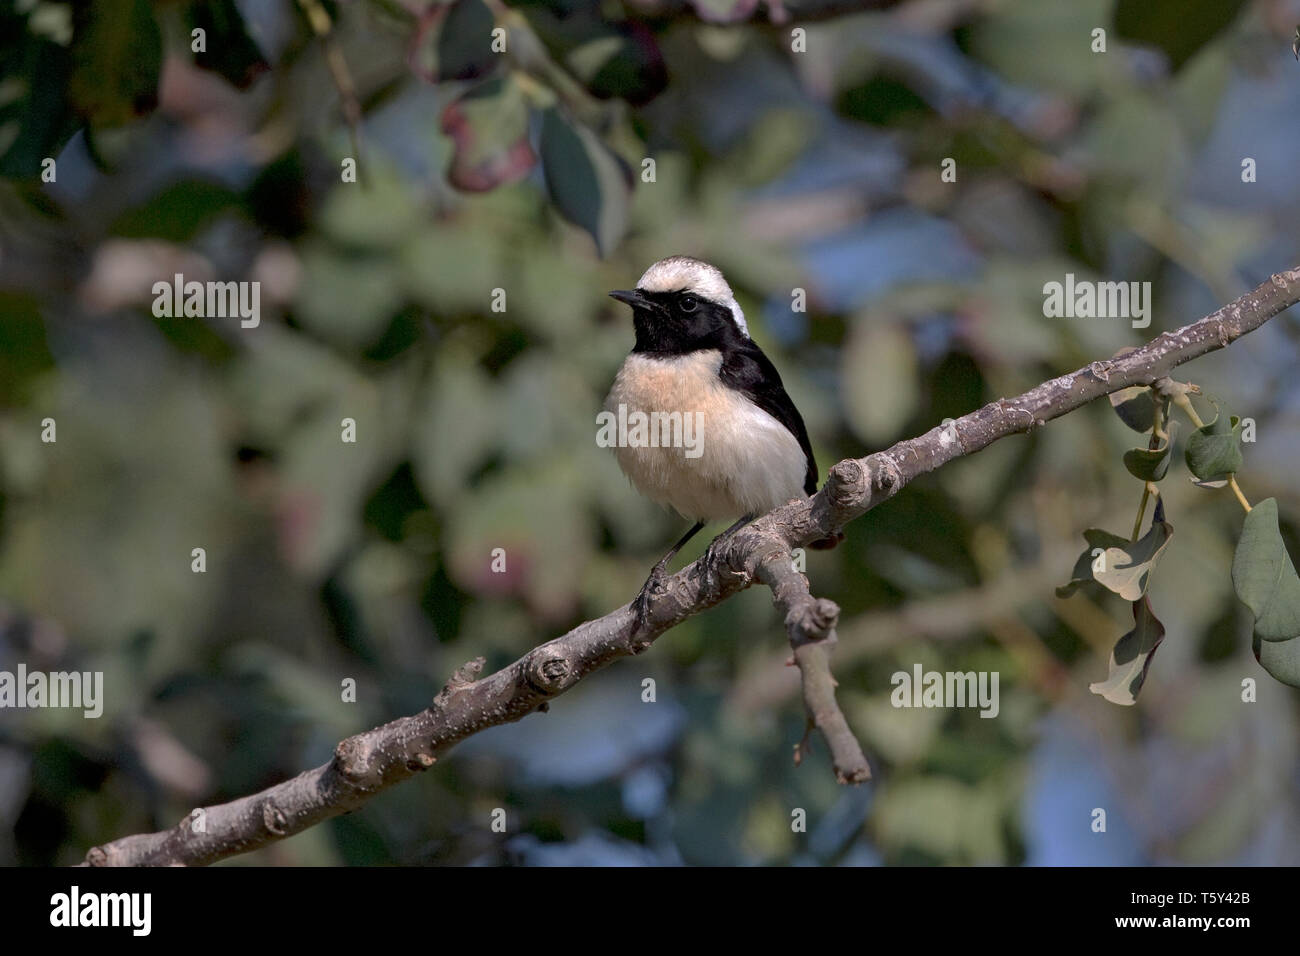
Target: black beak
[[631, 296]]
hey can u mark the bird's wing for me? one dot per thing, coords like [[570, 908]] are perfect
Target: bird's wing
[[749, 371]]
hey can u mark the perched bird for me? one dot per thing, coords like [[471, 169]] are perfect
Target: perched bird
[[693, 356]]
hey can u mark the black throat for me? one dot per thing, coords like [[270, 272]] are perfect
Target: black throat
[[663, 328]]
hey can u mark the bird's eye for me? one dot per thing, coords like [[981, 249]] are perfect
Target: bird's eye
[[688, 303]]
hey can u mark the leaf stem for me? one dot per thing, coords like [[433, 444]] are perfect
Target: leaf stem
[[1236, 490], [1158, 432], [1142, 510], [1185, 403]]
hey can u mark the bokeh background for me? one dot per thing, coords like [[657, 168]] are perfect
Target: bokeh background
[[523, 171]]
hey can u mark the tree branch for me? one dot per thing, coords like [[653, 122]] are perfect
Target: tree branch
[[762, 685], [810, 623], [365, 764]]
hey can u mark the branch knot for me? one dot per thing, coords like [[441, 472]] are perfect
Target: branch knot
[[547, 671], [350, 759], [845, 483], [463, 677], [813, 620], [274, 820]]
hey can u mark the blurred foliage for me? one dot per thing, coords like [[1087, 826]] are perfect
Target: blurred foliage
[[518, 179]]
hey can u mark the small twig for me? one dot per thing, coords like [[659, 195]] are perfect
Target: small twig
[[338, 67], [810, 625], [950, 616]]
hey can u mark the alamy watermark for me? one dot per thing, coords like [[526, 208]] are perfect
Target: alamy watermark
[[132, 911], [1085, 299], [922, 688], [199, 300], [651, 430], [75, 689]]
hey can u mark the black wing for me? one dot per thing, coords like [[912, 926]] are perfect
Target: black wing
[[748, 370]]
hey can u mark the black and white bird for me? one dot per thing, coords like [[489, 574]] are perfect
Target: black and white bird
[[693, 354]]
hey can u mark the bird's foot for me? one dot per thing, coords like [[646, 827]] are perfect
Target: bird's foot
[[655, 585], [713, 554]]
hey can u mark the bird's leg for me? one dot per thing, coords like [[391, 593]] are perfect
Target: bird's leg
[[654, 584]]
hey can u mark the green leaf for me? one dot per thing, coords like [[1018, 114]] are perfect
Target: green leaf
[[961, 818], [1043, 46], [36, 118], [176, 213], [1126, 127], [24, 354], [1280, 658], [1128, 569], [614, 59], [1264, 577], [229, 50], [589, 184], [1214, 450], [1135, 407], [1123, 566], [453, 41], [1151, 464], [533, 513], [881, 379], [587, 59], [117, 58], [459, 424], [771, 146], [489, 127], [382, 214], [1131, 658], [637, 74], [345, 298], [1165, 25], [451, 269], [1082, 573]]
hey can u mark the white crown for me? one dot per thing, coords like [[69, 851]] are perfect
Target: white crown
[[684, 274]]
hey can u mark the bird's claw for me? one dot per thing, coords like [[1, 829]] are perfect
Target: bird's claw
[[655, 585], [713, 553]]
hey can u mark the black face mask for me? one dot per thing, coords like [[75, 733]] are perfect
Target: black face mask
[[675, 323]]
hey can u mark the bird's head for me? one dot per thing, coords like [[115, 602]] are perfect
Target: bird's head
[[682, 305]]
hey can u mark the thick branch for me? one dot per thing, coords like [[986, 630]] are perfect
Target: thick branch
[[369, 762]]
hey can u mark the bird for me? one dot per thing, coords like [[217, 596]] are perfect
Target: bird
[[693, 356]]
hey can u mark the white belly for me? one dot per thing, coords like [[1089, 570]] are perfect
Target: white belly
[[748, 462]]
